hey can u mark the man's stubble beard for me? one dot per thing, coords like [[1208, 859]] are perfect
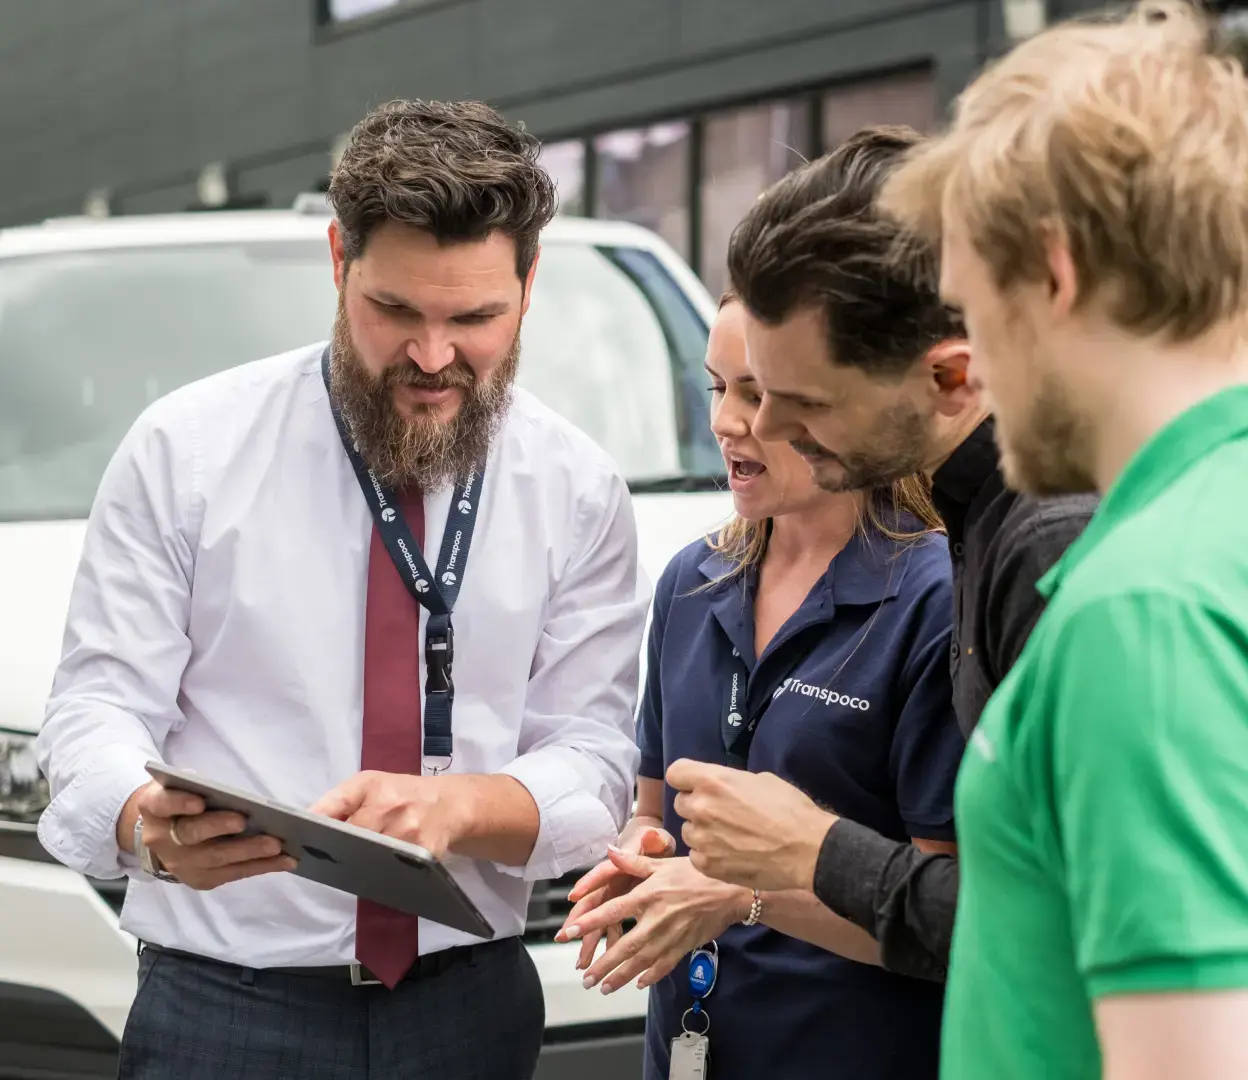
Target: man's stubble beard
[[900, 451], [1049, 450], [423, 452]]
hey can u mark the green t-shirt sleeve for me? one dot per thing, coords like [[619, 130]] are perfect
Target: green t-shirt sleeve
[[1150, 792]]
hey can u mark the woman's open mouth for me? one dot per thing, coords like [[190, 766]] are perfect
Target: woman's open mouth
[[741, 471]]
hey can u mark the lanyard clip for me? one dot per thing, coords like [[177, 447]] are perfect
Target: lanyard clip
[[439, 655]]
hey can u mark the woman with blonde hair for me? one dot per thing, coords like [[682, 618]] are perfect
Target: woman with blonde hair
[[808, 638]]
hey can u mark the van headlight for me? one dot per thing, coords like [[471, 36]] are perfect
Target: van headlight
[[23, 790]]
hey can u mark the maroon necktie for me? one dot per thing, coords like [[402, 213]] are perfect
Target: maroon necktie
[[386, 940]]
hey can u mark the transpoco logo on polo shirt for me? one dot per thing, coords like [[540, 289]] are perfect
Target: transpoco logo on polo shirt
[[828, 697]]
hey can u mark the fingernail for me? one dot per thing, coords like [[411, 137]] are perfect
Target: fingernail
[[561, 937], [290, 864], [618, 851], [572, 932], [607, 988], [588, 982]]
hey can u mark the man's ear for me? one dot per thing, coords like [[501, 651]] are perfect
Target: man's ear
[[947, 365], [528, 283], [337, 252], [1063, 276]]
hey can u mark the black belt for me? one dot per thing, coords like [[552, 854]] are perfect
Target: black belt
[[425, 966]]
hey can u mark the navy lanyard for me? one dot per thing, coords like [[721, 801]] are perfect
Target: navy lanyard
[[437, 594], [736, 723]]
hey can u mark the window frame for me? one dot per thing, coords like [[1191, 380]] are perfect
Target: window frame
[[814, 96], [328, 28]]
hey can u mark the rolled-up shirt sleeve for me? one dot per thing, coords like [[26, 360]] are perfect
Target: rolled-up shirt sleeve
[[114, 696], [578, 754]]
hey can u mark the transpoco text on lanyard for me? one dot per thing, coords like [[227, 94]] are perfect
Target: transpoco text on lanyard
[[436, 593], [735, 726], [737, 722]]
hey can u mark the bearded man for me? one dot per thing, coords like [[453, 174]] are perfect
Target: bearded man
[[253, 604]]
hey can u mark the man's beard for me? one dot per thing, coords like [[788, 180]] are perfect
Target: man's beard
[[1049, 450], [900, 451], [425, 451]]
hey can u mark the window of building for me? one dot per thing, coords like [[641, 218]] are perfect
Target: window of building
[[908, 98], [744, 151], [565, 161], [642, 175], [345, 10]]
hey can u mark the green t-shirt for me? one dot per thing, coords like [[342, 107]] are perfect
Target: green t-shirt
[[1102, 805]]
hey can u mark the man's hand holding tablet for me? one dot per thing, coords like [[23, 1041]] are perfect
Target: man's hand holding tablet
[[200, 849]]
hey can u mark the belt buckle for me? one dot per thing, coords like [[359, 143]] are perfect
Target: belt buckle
[[357, 976]]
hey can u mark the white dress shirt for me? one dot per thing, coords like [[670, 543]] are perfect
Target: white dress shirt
[[217, 623]]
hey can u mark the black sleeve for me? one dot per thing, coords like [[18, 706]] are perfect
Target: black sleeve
[[901, 896], [1032, 540]]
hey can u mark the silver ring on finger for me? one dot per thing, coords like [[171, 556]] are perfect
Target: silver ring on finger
[[173, 832]]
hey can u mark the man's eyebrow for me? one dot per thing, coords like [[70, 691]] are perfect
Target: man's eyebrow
[[383, 297], [492, 307], [793, 395]]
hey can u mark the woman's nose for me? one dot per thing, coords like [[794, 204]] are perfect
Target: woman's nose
[[728, 420]]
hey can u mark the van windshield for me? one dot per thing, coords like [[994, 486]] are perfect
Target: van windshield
[[88, 339]]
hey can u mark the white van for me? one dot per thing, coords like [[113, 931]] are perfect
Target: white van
[[98, 319]]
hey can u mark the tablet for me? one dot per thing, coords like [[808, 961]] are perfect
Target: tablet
[[346, 857]]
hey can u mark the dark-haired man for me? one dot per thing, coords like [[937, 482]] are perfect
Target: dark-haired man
[[864, 372], [253, 604]]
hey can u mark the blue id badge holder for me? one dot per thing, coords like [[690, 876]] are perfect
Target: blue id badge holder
[[691, 1049]]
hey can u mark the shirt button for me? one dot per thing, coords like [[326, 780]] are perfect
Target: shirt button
[[957, 549], [953, 650]]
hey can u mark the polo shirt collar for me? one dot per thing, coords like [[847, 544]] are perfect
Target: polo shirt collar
[[868, 570], [1171, 452]]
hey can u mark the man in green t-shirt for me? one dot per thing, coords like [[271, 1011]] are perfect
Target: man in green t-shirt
[[1093, 215]]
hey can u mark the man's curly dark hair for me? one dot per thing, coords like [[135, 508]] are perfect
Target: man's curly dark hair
[[457, 170]]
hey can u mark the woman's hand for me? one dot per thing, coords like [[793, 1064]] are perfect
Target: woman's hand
[[677, 909], [606, 881]]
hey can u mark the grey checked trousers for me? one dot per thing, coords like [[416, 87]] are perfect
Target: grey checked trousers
[[479, 1019]]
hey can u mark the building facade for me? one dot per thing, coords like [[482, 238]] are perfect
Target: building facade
[[670, 113]]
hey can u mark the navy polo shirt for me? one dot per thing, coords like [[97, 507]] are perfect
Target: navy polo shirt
[[857, 711]]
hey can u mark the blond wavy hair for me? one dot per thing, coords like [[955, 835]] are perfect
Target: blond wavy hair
[[744, 542], [1127, 140]]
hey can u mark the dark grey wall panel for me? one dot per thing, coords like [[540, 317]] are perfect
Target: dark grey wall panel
[[283, 180], [718, 24], [167, 200], [137, 96], [913, 39], [524, 55], [130, 67], [431, 54]]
